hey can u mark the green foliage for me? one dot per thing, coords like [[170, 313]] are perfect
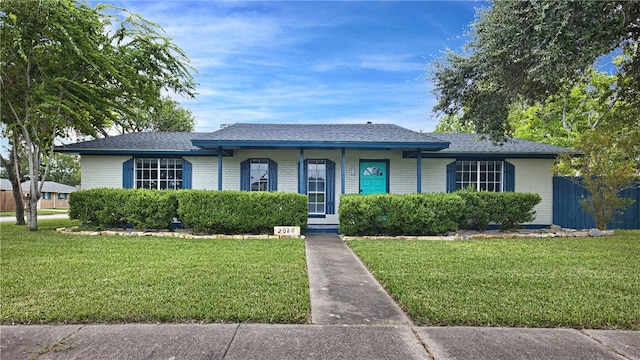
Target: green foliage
[[64, 169], [477, 214], [170, 116], [100, 208], [573, 282], [508, 210], [453, 123], [529, 50], [393, 215], [214, 212], [433, 214], [68, 68], [151, 209], [237, 212]]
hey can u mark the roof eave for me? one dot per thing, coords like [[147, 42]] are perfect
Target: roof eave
[[139, 152], [273, 144], [502, 155]]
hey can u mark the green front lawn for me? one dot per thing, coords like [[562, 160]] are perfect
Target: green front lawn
[[578, 282], [52, 278]]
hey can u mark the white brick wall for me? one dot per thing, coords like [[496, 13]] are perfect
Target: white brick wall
[[532, 175], [535, 176], [101, 171], [434, 175], [204, 172]]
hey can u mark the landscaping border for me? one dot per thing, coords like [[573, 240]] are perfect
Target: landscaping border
[[172, 234]]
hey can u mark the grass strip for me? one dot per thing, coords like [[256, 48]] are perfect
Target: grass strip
[[53, 278], [574, 282]]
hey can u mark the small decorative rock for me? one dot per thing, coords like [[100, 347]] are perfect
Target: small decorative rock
[[596, 233]]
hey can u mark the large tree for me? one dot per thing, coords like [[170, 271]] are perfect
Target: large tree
[[589, 118], [531, 50], [66, 67]]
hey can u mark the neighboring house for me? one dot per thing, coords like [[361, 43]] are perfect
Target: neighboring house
[[321, 161], [54, 195]]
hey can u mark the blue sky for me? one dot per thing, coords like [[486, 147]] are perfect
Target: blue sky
[[311, 62]]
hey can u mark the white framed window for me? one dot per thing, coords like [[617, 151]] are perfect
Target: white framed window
[[259, 174], [480, 175], [158, 174], [317, 186]]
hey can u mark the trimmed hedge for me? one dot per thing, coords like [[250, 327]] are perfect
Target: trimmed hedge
[[507, 209], [394, 215], [100, 208], [237, 212], [221, 212], [151, 209], [434, 214]]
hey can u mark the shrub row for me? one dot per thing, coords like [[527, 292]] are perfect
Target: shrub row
[[394, 215], [509, 210], [433, 214], [230, 212]]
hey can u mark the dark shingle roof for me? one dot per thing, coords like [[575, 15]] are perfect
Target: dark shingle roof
[[372, 136], [157, 141], [376, 133], [472, 143]]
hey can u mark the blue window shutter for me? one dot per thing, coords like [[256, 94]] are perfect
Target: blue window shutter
[[127, 174], [331, 187], [451, 177], [273, 176], [187, 174], [306, 179], [245, 175], [509, 177]]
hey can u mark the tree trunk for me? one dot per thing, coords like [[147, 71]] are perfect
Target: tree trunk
[[32, 204], [17, 198], [14, 178]]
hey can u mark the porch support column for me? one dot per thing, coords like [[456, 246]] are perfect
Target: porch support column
[[301, 182], [342, 171], [419, 170], [219, 168]]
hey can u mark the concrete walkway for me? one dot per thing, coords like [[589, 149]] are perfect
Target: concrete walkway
[[342, 289]]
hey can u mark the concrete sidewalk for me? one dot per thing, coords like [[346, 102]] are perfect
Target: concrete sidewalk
[[341, 288], [260, 341], [40, 217]]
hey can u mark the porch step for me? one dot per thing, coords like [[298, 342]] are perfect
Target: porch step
[[322, 229]]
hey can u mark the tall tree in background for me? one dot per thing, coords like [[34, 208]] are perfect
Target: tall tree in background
[[66, 67], [531, 50], [167, 116], [529, 70], [64, 169]]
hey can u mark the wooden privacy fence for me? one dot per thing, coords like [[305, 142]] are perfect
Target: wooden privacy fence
[[6, 201], [568, 213]]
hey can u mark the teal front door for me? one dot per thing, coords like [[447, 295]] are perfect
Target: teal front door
[[373, 177]]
